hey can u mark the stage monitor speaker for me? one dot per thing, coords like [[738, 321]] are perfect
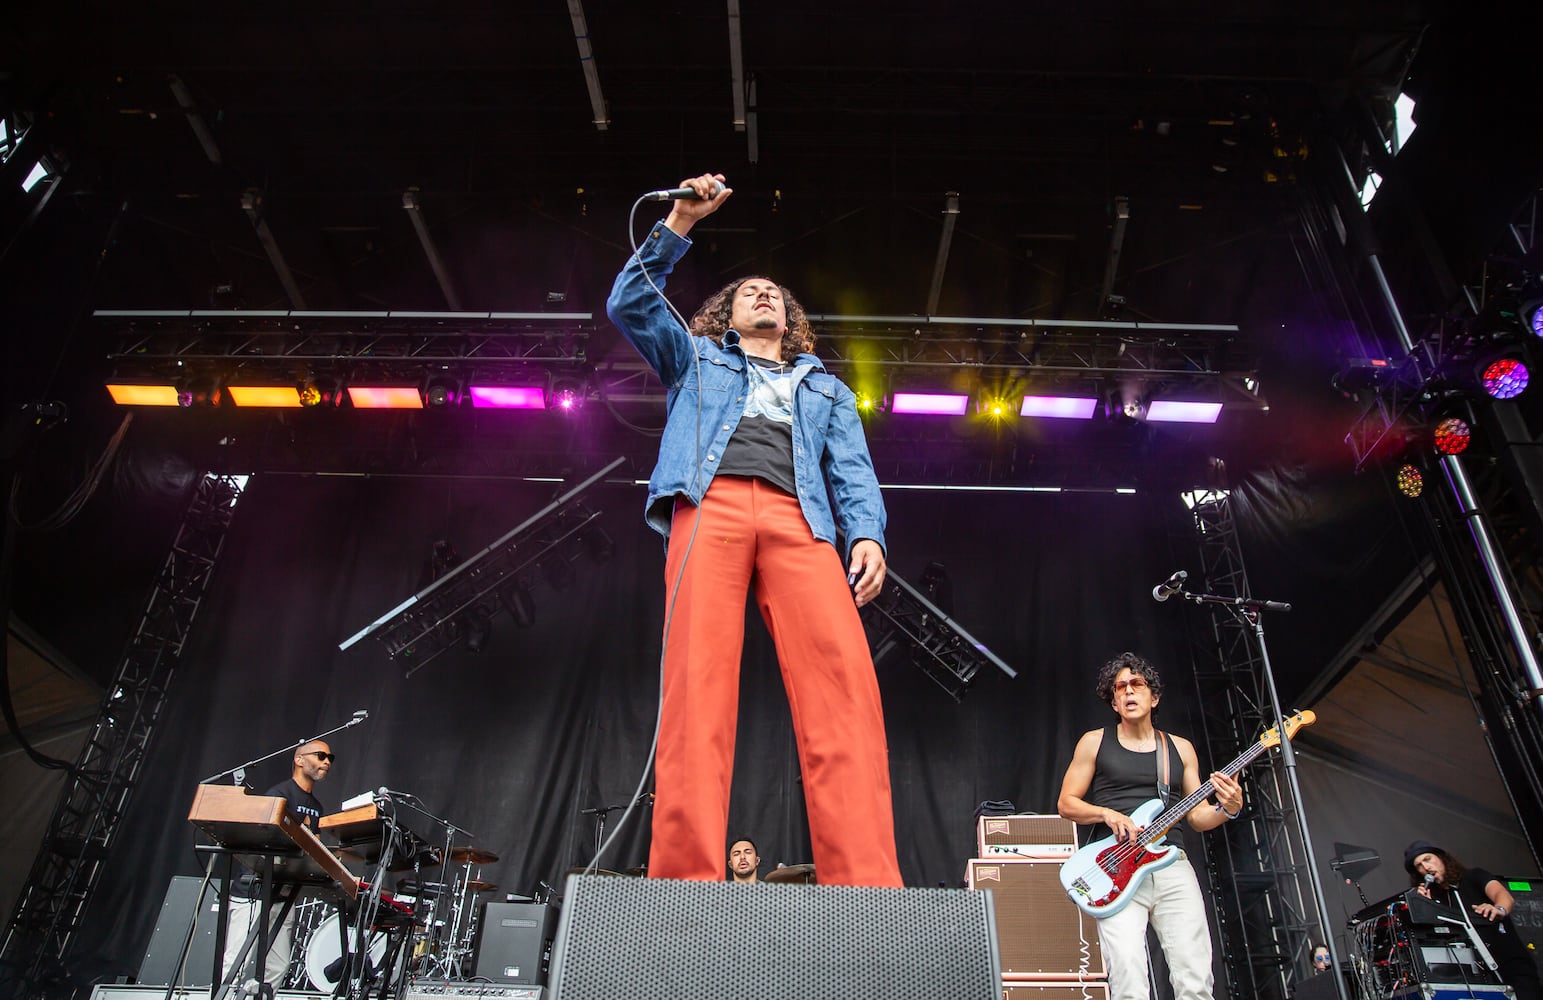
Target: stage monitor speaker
[[659, 939], [1055, 991], [512, 939], [1040, 932], [162, 957], [1026, 836]]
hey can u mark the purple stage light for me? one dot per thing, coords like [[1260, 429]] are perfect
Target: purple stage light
[[1178, 412], [934, 403], [1067, 407], [1505, 379], [508, 397]]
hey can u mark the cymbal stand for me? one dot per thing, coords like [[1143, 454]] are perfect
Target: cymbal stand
[[442, 964], [600, 813]]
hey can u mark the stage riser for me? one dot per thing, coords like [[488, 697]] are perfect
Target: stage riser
[[656, 939]]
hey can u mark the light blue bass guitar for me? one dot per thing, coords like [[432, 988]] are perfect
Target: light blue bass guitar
[[1101, 877]]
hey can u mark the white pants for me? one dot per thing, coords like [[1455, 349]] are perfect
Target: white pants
[[1170, 901], [240, 919]]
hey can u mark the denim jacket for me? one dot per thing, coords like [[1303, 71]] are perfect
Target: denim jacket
[[829, 448]]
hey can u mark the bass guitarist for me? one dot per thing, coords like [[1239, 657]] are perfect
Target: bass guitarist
[[1116, 769]]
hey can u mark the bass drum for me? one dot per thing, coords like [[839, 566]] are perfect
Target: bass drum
[[323, 949]]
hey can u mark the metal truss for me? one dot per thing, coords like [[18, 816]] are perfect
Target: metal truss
[[1259, 875], [284, 343], [85, 824], [441, 615], [902, 617]]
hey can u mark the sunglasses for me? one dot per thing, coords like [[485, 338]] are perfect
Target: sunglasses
[[321, 755]]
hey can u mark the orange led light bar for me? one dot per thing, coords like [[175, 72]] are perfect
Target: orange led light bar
[[264, 395], [125, 394], [385, 397]]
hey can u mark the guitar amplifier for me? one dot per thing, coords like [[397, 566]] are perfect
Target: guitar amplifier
[[1055, 991], [1027, 836], [1040, 933], [442, 989]]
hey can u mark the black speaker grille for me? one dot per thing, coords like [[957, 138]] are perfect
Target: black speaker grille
[[655, 938]]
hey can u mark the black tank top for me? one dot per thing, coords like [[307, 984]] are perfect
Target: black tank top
[[1124, 779]]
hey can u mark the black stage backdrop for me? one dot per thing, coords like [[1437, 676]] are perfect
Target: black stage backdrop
[[549, 720]]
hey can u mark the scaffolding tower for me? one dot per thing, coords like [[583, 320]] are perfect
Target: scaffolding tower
[[96, 794], [1257, 865]]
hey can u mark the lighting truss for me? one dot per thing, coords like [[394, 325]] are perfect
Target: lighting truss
[[902, 617], [1079, 352], [97, 794], [420, 628], [1414, 384]]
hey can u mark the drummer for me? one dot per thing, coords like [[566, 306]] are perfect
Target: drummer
[[744, 860]]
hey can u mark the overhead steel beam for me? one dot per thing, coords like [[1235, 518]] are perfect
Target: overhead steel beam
[[414, 211], [252, 205], [195, 119], [945, 241], [602, 121]]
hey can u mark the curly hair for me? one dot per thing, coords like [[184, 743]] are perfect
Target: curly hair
[[712, 319], [1104, 688], [1455, 870]]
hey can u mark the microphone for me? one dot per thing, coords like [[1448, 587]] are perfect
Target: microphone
[[1430, 879], [1173, 585], [670, 194], [359, 717]]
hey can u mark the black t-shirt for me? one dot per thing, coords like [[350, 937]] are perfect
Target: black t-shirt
[[1509, 949], [1124, 779], [306, 808], [762, 443]]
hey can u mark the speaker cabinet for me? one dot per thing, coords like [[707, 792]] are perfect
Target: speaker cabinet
[[1040, 933], [512, 939], [1028, 836], [160, 964], [659, 939]]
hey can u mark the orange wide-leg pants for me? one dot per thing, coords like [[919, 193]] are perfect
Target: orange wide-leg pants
[[751, 531]]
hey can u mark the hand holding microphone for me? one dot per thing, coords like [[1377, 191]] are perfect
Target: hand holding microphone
[[694, 200]]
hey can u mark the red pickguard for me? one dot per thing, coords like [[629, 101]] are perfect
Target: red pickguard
[[1121, 862]]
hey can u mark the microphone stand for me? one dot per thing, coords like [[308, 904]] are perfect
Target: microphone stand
[[1247, 611], [239, 769]]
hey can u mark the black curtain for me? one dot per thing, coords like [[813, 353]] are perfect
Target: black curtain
[[549, 720]]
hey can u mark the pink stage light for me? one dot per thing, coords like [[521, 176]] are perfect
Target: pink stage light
[[1176, 412], [385, 397], [508, 397], [934, 403], [1067, 407]]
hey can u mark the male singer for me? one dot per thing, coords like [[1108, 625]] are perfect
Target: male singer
[[759, 438]]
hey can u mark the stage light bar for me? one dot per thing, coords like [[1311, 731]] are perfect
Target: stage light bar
[[1060, 407], [126, 394], [508, 397], [265, 395], [385, 397], [1177, 412], [936, 404]]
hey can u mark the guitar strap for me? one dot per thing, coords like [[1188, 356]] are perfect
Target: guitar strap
[[1162, 767]]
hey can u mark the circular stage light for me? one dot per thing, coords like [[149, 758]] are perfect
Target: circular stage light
[[1452, 436], [1505, 379], [1410, 482]]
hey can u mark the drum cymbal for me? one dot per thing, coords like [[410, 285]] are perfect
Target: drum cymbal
[[477, 885], [581, 869], [791, 873], [472, 856]]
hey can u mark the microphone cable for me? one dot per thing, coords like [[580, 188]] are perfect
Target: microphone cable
[[674, 587]]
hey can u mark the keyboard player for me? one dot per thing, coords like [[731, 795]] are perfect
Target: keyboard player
[[313, 761]]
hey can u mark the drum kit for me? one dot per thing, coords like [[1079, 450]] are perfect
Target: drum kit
[[441, 921]]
